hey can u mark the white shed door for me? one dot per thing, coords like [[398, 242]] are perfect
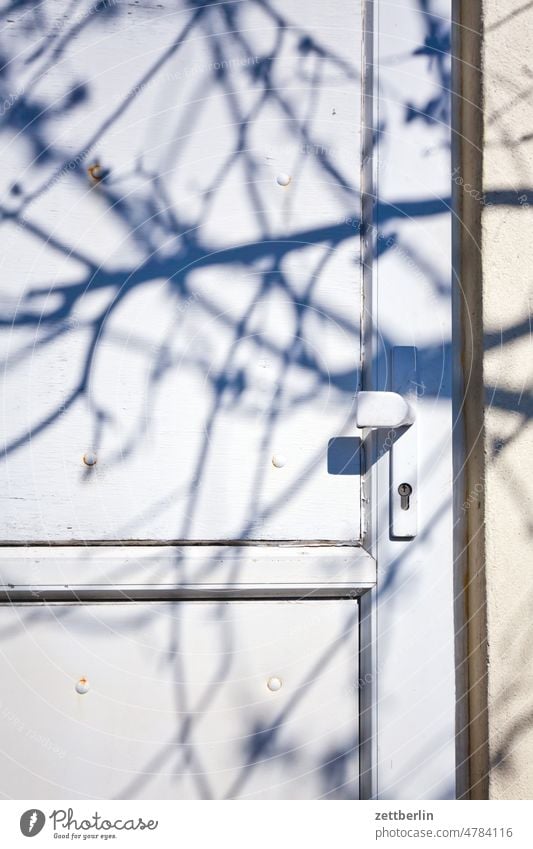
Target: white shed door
[[186, 301], [181, 275], [203, 700]]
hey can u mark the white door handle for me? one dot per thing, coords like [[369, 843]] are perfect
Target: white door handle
[[383, 409], [396, 411]]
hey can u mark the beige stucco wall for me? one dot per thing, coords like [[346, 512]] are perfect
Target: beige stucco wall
[[497, 277], [507, 262]]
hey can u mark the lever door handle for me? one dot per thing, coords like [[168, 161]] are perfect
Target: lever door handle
[[383, 409], [396, 411]]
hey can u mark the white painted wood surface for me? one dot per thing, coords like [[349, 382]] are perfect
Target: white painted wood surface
[[178, 704], [253, 571], [189, 316], [197, 314], [409, 631]]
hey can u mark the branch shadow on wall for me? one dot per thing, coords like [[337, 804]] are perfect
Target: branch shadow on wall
[[152, 231]]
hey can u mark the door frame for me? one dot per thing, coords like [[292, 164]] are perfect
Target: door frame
[[408, 722]]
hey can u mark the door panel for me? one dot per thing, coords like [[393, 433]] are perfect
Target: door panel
[[182, 280], [178, 702]]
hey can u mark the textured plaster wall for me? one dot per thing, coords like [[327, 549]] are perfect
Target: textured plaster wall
[[505, 476]]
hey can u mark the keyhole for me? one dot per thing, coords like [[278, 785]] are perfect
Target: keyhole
[[404, 491]]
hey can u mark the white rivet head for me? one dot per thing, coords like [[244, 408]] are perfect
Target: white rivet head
[[82, 686], [89, 458], [279, 460], [274, 684], [283, 179]]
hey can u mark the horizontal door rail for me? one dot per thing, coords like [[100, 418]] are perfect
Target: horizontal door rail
[[189, 592], [179, 543], [182, 572]]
